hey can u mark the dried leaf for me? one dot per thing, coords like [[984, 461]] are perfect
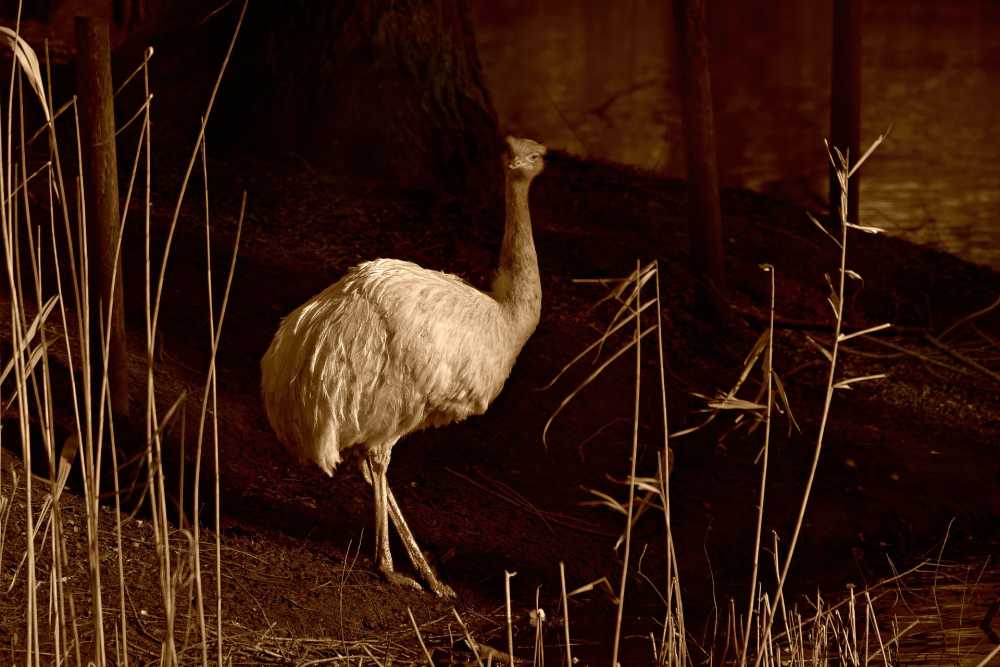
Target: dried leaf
[[783, 396], [597, 343], [826, 353], [601, 583], [880, 327], [846, 384], [732, 403], [834, 302], [29, 334], [590, 378], [605, 501], [871, 149], [823, 229], [28, 61], [692, 429], [867, 229]]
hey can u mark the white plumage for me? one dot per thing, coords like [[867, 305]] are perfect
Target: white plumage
[[392, 348]]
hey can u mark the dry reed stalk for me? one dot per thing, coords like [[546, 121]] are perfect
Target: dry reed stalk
[[105, 405], [538, 620], [423, 646], [20, 371], [836, 300], [565, 602], [768, 365], [89, 417], [675, 617], [153, 427], [140, 145], [215, 426], [24, 61], [637, 341], [989, 658], [507, 576], [473, 644], [196, 488]]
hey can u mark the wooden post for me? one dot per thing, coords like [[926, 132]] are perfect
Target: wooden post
[[705, 218], [100, 168], [845, 97]]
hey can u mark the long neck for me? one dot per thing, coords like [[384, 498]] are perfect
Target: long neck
[[518, 287]]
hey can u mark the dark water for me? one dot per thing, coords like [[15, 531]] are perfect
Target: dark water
[[598, 78]]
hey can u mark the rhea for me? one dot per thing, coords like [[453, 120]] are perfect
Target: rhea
[[392, 348]]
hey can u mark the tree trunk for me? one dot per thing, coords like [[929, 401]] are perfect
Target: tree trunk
[[845, 99], [97, 138], [372, 90], [705, 217]]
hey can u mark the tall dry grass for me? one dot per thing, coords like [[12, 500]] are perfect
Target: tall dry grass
[[769, 632], [51, 332]]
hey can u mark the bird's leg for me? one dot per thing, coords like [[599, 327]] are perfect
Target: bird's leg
[[378, 464], [420, 563]]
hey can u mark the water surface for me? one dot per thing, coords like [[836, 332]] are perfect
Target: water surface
[[599, 79]]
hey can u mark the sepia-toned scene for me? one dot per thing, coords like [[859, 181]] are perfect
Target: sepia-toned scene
[[499, 332]]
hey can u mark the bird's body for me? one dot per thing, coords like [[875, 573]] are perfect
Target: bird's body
[[392, 348], [389, 349]]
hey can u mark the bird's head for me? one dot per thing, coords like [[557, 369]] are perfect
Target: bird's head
[[524, 158]]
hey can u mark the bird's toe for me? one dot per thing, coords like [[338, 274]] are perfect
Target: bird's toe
[[443, 590], [401, 580]]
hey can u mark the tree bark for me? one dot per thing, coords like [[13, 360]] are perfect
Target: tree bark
[[373, 90], [97, 138], [705, 217]]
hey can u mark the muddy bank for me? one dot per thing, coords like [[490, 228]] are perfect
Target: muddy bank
[[904, 455]]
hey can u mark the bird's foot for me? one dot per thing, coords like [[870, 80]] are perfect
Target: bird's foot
[[401, 580]]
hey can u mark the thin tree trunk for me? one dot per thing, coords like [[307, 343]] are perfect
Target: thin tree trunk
[[845, 97], [97, 134], [705, 218]]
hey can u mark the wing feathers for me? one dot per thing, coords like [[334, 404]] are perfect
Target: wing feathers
[[388, 349]]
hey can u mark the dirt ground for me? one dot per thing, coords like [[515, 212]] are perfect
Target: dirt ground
[[905, 458]]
